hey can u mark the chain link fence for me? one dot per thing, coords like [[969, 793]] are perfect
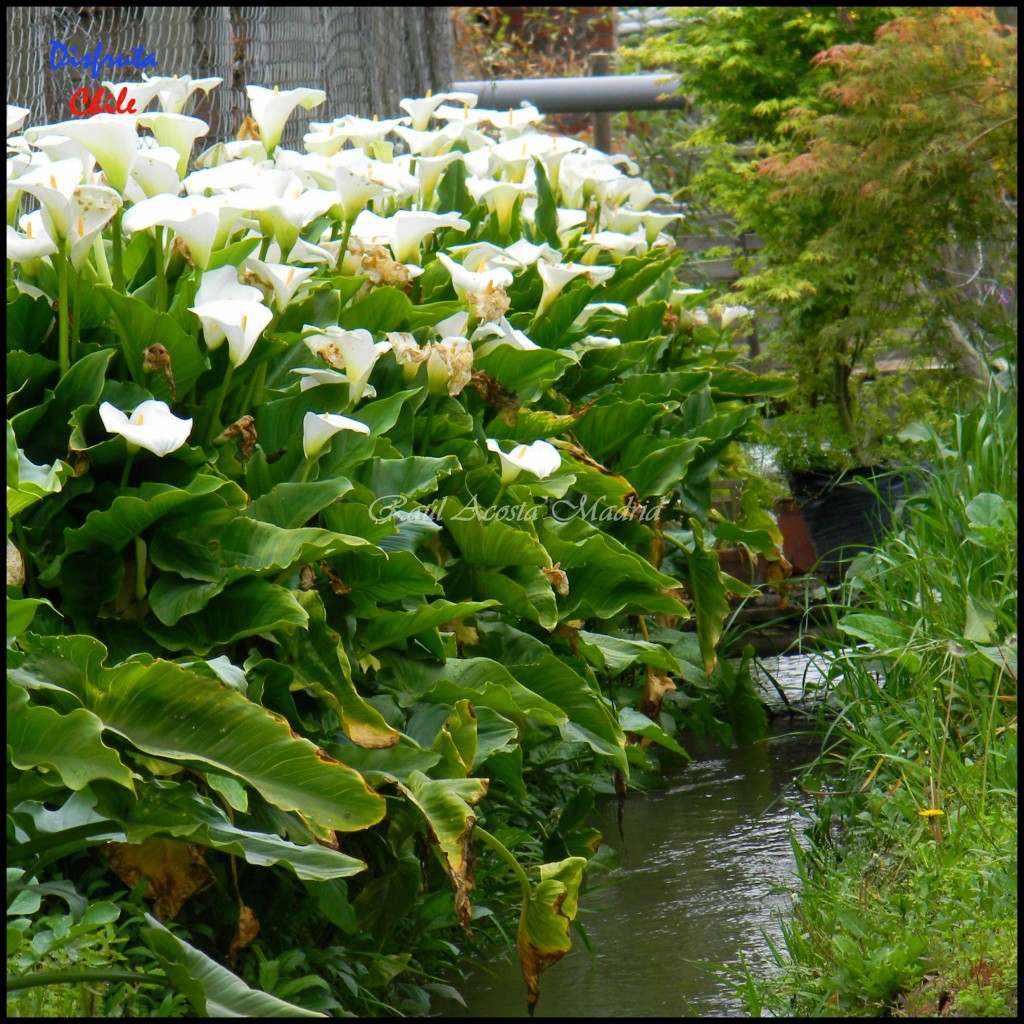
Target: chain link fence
[[365, 58]]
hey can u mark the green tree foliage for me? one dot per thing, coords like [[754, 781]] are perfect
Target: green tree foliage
[[882, 180]]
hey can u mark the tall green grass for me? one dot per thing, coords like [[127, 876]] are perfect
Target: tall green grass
[[908, 895]]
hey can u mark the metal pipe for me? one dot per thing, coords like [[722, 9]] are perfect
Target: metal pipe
[[581, 95]]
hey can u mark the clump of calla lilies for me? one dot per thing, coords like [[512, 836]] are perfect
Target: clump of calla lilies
[[362, 200], [373, 312]]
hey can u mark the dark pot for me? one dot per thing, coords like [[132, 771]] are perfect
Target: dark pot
[[843, 515]]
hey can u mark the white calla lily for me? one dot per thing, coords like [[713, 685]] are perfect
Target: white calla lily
[[476, 284], [420, 111], [355, 352], [174, 91], [271, 108], [31, 245], [408, 352], [177, 131], [500, 197], [318, 429], [154, 173], [557, 275], [151, 426], [241, 323], [16, 118], [540, 458], [407, 230], [110, 138], [311, 377], [53, 185], [222, 285], [730, 314], [284, 279]]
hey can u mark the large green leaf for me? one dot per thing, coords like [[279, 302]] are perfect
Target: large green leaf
[[710, 605], [212, 990], [485, 541], [524, 590], [528, 372], [390, 627], [168, 711], [247, 607], [384, 309], [178, 810], [141, 326], [72, 744], [616, 653], [323, 667], [446, 804], [591, 719]]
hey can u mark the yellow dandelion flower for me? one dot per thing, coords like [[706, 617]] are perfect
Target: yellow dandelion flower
[[931, 812]]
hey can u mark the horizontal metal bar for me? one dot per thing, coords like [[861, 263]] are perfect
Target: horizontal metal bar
[[581, 95]]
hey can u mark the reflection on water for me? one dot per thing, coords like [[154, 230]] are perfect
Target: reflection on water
[[703, 863]]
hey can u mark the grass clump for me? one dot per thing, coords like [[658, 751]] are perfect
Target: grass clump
[[908, 898]]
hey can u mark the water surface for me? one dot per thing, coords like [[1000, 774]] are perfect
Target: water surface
[[705, 864]]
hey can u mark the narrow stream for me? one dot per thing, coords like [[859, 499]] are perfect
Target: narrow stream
[[702, 873]]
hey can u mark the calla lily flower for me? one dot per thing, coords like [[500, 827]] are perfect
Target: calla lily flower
[[174, 91], [93, 207], [501, 332], [151, 426], [16, 118], [540, 458], [475, 284], [406, 230], [420, 143], [222, 285], [591, 308], [110, 138], [730, 314], [355, 191], [198, 219], [654, 223], [500, 197], [140, 93], [595, 341], [285, 280], [408, 353], [352, 351], [557, 275], [313, 377], [178, 131], [422, 110], [429, 170], [240, 322], [53, 185], [317, 430], [31, 245], [271, 108], [154, 173], [449, 366]]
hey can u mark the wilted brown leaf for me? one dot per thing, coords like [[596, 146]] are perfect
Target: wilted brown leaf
[[175, 871], [247, 930]]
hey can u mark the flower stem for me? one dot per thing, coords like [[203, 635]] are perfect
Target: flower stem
[[127, 469], [161, 270], [117, 253], [428, 433], [307, 468], [63, 356], [500, 849], [76, 315], [218, 405], [140, 576], [99, 258], [344, 241]]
